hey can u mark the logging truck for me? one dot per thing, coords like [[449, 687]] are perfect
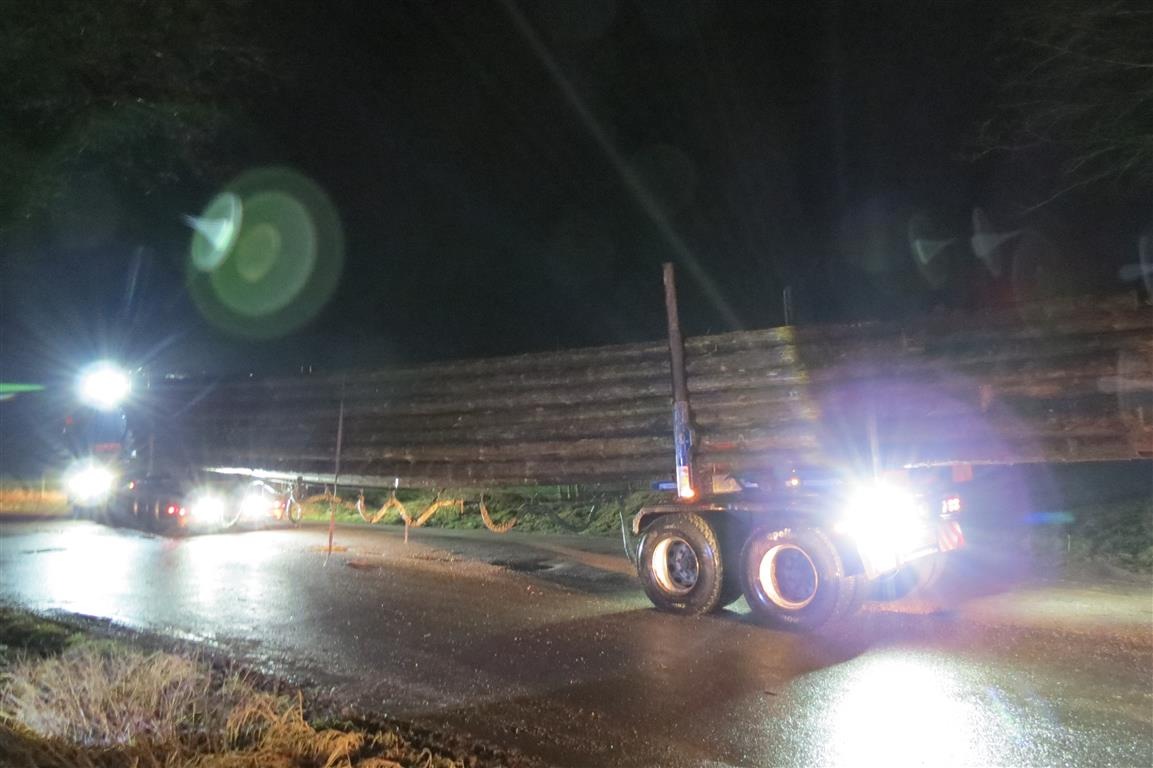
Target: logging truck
[[799, 465]]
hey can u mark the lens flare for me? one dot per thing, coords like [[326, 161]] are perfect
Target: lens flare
[[266, 254], [215, 231]]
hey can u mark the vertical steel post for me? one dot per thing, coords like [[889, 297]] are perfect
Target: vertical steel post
[[682, 416], [336, 472]]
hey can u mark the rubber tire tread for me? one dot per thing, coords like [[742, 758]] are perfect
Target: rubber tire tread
[[833, 599], [858, 589], [731, 590], [707, 594], [731, 538]]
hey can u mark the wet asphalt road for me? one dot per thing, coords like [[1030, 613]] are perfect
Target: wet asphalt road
[[548, 645]]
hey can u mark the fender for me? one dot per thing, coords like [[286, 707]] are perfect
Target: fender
[[648, 514]]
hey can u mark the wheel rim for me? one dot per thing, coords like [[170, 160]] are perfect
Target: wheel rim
[[788, 577], [675, 566]]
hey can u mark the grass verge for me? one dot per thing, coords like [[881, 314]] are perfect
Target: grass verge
[[1117, 533], [69, 700], [541, 510], [24, 635]]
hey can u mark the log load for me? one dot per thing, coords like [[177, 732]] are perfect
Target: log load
[[1062, 381]]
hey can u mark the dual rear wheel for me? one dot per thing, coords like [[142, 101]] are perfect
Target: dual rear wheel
[[791, 578]]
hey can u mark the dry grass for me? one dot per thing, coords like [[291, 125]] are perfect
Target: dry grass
[[98, 706], [27, 501]]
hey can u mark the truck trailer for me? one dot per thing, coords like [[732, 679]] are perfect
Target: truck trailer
[[798, 464]]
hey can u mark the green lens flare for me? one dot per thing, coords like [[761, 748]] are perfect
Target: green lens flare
[[274, 257], [215, 231], [266, 254], [8, 389]]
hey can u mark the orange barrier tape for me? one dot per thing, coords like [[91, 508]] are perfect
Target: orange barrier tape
[[394, 503], [504, 527], [398, 505]]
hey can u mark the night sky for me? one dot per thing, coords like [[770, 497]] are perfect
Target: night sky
[[511, 175]]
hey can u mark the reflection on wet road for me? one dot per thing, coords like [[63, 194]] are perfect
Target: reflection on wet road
[[555, 650]]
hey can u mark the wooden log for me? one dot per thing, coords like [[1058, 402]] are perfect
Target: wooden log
[[1099, 318], [444, 474], [798, 437], [734, 404], [644, 469], [1049, 362], [891, 401], [1060, 385], [569, 420]]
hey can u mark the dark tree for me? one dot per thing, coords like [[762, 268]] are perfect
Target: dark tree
[[136, 95], [1078, 85]]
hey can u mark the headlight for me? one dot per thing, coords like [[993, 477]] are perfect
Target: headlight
[[104, 386], [256, 505], [886, 521], [207, 509], [881, 504], [90, 483]]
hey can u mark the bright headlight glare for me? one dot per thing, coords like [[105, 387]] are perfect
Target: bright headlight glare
[[104, 386], [207, 508], [255, 505], [886, 522], [880, 504], [90, 483]]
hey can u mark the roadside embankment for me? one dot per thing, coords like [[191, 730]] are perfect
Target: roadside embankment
[[69, 697]]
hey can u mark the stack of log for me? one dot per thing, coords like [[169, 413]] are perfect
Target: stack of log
[[1065, 381]]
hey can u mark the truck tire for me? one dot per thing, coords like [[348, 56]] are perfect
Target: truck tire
[[795, 579], [857, 589], [680, 565], [731, 537]]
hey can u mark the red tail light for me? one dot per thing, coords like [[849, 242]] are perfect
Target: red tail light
[[172, 509]]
